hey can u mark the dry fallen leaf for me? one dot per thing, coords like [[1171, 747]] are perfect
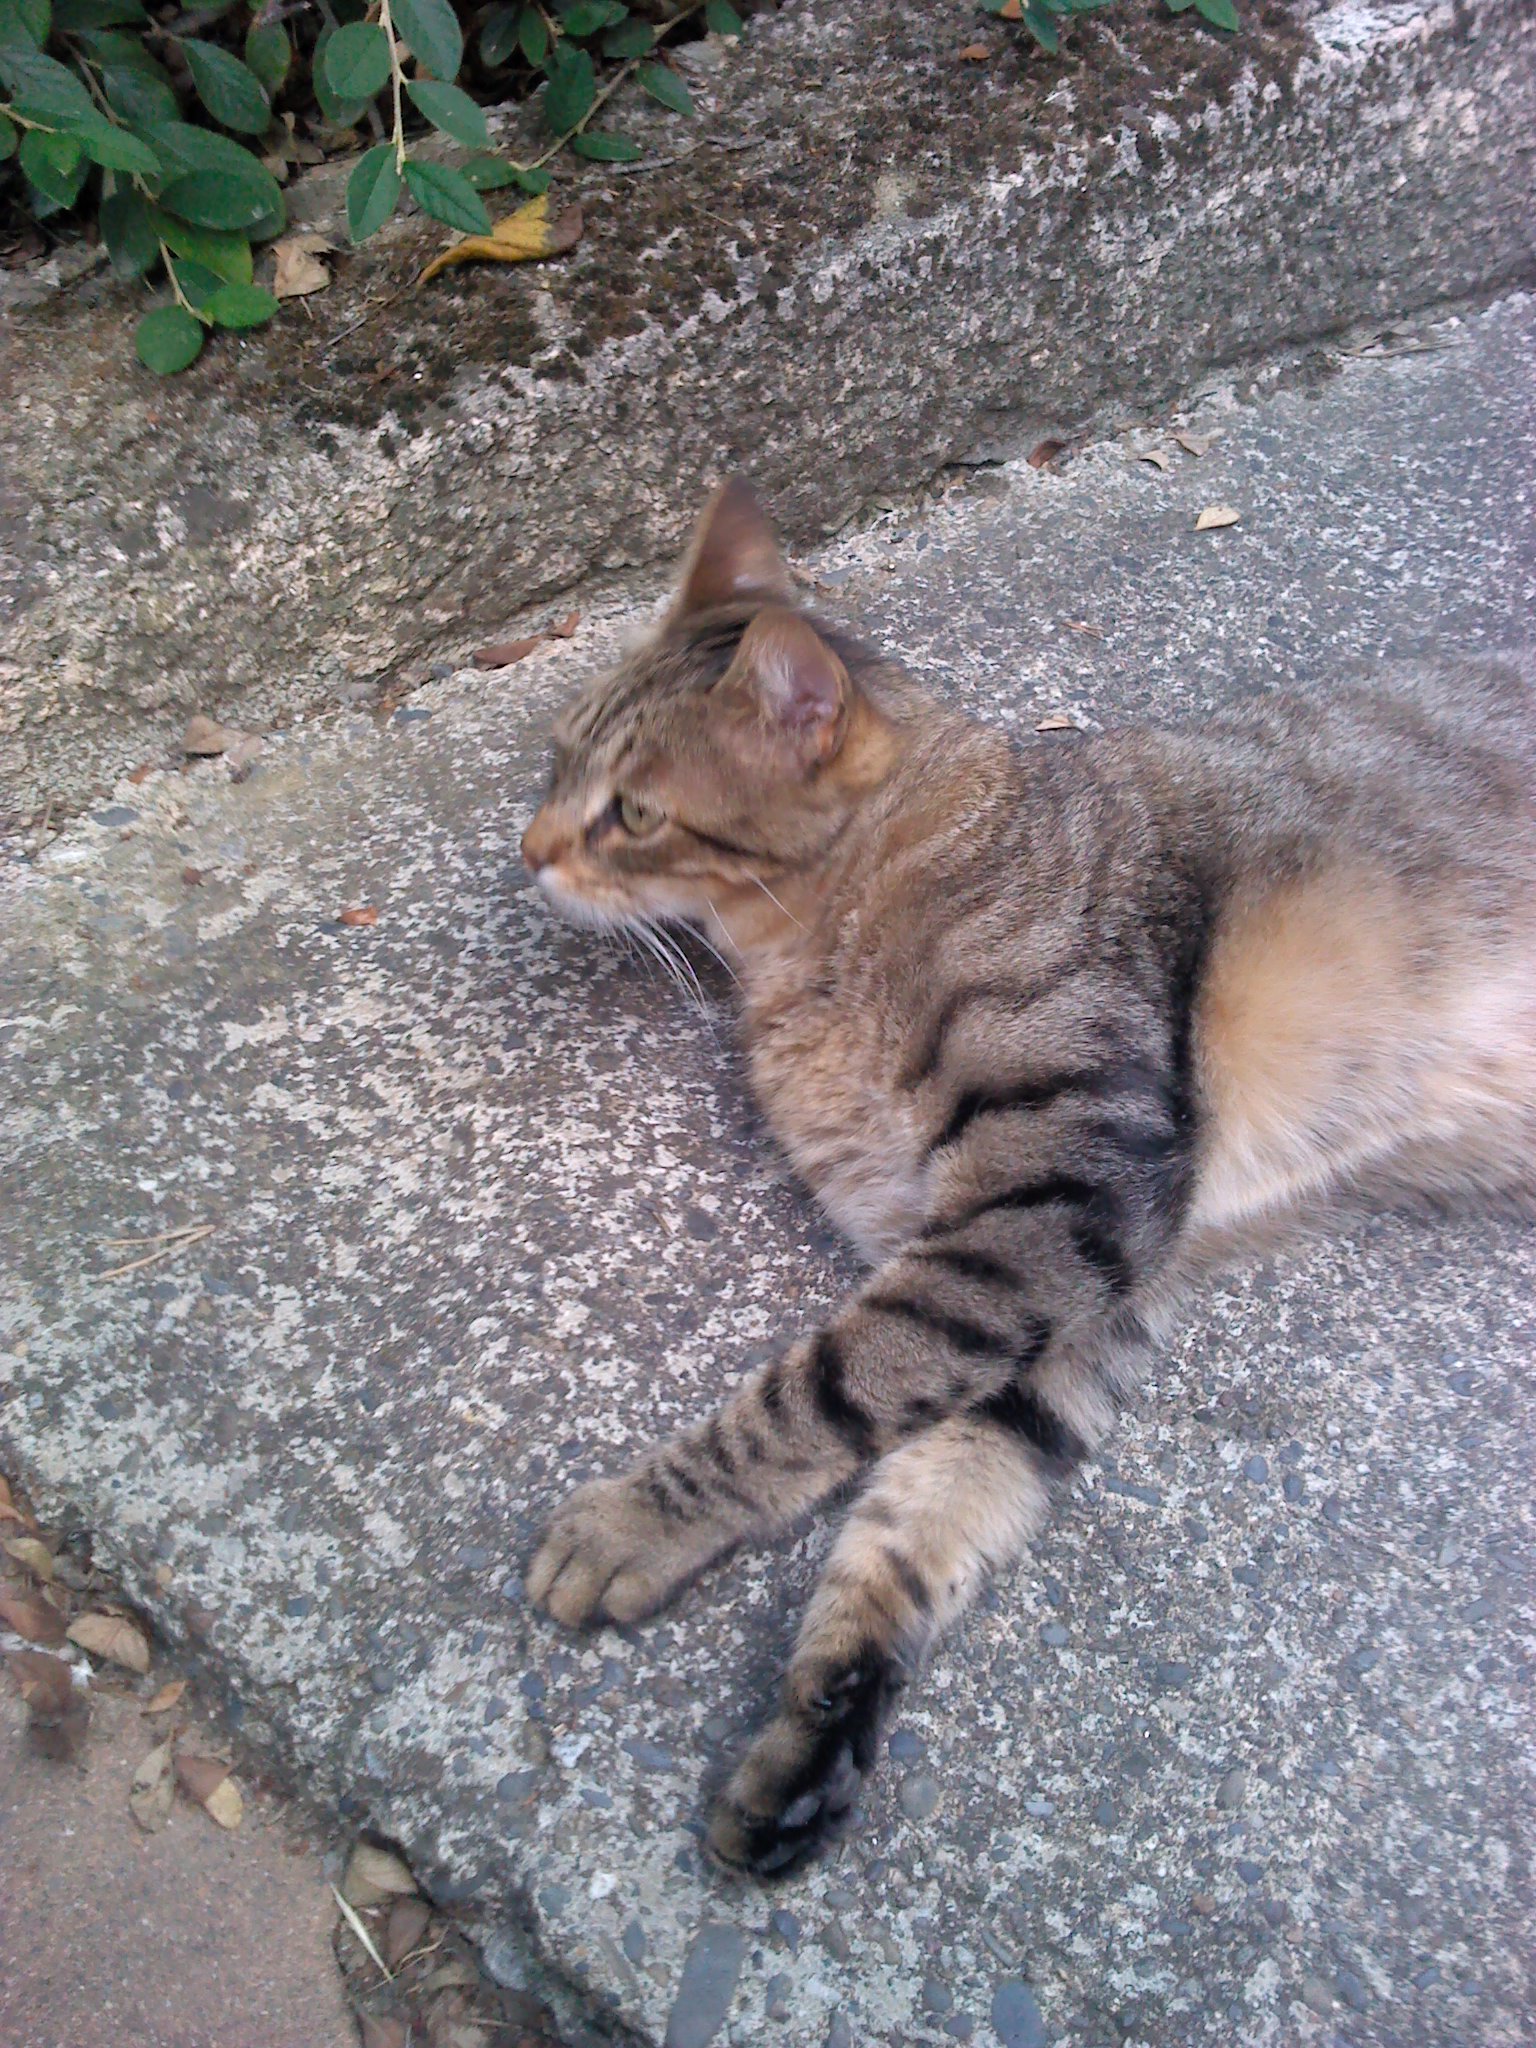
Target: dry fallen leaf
[[1217, 515], [1197, 444], [519, 237], [153, 1789], [364, 914], [142, 773], [1155, 456], [1057, 722], [206, 1780], [975, 53], [114, 1637], [565, 627], [165, 1698], [373, 1875], [1044, 453], [382, 2030], [407, 1923], [9, 1511], [57, 1714], [29, 1551], [502, 653], [299, 270], [205, 736], [1013, 11], [31, 1618]]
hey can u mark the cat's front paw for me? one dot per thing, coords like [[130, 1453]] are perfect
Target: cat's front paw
[[793, 1794], [609, 1554]]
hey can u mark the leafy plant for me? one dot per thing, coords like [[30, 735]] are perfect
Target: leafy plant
[[179, 128], [1040, 17]]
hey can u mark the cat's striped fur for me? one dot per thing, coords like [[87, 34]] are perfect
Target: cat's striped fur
[[1047, 1030]]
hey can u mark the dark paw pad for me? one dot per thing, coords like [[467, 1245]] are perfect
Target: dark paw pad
[[773, 1844]]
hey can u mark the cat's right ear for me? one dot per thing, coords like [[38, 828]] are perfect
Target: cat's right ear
[[734, 558]]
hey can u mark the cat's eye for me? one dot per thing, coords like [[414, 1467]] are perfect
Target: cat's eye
[[636, 818]]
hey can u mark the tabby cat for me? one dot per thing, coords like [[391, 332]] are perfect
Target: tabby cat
[[1047, 1029]]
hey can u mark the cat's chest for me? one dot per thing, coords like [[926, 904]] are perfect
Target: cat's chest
[[824, 1070]]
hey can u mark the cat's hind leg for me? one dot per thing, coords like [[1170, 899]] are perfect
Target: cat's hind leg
[[937, 1515]]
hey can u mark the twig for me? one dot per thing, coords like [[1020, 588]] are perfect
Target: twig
[[362, 1933], [166, 1251], [160, 1236]]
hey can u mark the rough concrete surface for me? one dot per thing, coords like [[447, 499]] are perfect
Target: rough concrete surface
[[1240, 1756], [868, 261], [192, 1938]]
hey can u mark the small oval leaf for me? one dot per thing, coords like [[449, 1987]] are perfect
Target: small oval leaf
[[231, 92], [357, 61], [606, 149], [431, 31], [450, 110], [448, 196], [372, 191], [240, 305], [666, 87], [168, 340]]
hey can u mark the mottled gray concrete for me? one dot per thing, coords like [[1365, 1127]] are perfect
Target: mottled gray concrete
[[1241, 1756], [867, 259]]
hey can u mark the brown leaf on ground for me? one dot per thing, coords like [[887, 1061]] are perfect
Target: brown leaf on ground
[[32, 1618], [32, 1553], [1197, 444], [1217, 515], [298, 270], [12, 1511], [153, 1789], [142, 773], [241, 758], [408, 1922], [502, 653], [1057, 722], [565, 627], [383, 2030], [165, 1698], [1155, 456], [1044, 453], [57, 1714], [363, 914], [207, 1780], [373, 1875], [1013, 11], [114, 1637], [520, 237], [205, 737], [191, 877], [976, 53]]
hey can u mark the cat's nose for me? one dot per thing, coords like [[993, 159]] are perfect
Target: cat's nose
[[541, 842]]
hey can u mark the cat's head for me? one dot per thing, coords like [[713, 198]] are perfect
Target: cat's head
[[728, 749]]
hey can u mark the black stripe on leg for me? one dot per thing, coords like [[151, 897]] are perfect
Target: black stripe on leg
[[970, 1265], [829, 1391], [1095, 1235], [975, 1102], [1096, 1242], [911, 1581], [1019, 1410], [968, 1337]]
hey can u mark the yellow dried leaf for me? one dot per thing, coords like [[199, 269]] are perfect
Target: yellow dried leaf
[[375, 1874], [28, 1551], [225, 1805], [1057, 722], [165, 1698], [206, 1779], [298, 270], [1217, 515], [153, 1789], [112, 1637], [520, 237]]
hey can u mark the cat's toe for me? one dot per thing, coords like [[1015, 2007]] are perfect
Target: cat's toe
[[606, 1556], [794, 1830]]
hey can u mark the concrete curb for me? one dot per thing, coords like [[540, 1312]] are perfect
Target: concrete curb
[[926, 262]]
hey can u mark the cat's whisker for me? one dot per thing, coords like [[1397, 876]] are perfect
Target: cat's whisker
[[776, 903]]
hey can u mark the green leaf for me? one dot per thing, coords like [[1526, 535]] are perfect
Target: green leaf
[[129, 233], [241, 305], [75, 16], [631, 38], [490, 173], [667, 87], [1219, 13], [44, 89], [721, 18], [269, 53], [7, 137], [168, 339], [114, 148], [372, 190], [218, 199], [1041, 27], [112, 46], [606, 149], [226, 256], [230, 92], [431, 31], [183, 147], [586, 17], [454, 112], [1178, 6], [533, 37], [138, 97], [54, 164], [499, 36], [24, 24], [448, 196], [571, 89], [535, 183], [357, 61], [198, 284]]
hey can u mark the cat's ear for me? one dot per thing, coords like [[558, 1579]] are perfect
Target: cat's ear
[[796, 681], [734, 558]]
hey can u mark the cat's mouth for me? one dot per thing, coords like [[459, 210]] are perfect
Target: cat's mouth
[[577, 908]]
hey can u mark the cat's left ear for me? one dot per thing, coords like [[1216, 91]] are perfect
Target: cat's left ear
[[796, 681]]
